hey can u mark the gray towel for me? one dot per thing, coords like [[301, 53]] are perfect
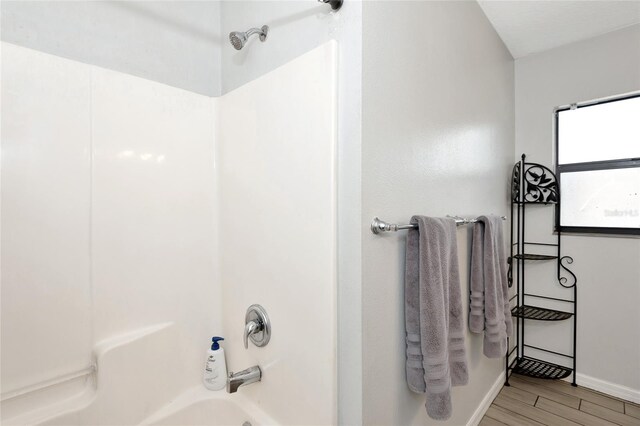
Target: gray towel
[[489, 305], [436, 357]]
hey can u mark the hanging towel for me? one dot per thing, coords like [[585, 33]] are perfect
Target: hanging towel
[[489, 305], [436, 357]]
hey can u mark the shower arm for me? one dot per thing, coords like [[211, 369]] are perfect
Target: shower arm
[[335, 4], [260, 31]]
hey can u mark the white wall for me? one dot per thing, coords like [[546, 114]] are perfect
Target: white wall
[[278, 230], [46, 196], [438, 114], [108, 192], [173, 42], [185, 44], [608, 268], [297, 27], [133, 161]]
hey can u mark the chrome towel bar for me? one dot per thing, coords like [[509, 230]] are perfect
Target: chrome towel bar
[[378, 226]]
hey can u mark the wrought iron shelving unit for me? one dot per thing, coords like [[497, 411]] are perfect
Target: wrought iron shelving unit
[[533, 183]]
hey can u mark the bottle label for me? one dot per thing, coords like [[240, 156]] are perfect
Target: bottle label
[[210, 367]]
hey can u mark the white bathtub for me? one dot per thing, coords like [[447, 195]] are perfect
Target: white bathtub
[[200, 407], [125, 390]]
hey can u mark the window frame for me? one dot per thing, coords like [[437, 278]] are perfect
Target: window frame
[[622, 163]]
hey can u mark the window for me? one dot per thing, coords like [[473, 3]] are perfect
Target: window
[[598, 166]]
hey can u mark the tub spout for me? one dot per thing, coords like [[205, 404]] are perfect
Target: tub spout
[[244, 377]]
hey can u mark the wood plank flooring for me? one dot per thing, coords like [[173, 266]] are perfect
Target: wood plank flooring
[[538, 402]]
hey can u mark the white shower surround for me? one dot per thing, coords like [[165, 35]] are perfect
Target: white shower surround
[[277, 223], [127, 174]]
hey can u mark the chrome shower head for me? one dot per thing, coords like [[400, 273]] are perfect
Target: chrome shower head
[[238, 38]]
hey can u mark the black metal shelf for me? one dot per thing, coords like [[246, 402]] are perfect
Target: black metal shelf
[[535, 184], [540, 369], [531, 256], [540, 314]]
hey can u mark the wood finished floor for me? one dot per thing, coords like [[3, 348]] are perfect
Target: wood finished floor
[[536, 402]]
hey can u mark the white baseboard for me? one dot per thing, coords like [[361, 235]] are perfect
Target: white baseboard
[[486, 401], [609, 388]]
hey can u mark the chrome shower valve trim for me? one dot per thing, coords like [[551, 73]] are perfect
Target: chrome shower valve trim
[[257, 326]]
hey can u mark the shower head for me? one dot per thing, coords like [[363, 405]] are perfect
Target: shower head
[[238, 38]]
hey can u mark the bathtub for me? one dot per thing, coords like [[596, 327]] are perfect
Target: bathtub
[[201, 407], [125, 389]]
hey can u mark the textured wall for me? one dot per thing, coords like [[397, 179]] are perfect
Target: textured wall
[[438, 114], [172, 42], [608, 268]]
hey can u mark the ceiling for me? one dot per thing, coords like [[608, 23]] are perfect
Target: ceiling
[[528, 27]]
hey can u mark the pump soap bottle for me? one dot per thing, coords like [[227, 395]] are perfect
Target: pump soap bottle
[[215, 369]]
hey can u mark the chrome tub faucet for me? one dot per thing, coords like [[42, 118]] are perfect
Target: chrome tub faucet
[[244, 377]]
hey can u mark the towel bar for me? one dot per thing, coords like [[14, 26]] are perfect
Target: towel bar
[[378, 226]]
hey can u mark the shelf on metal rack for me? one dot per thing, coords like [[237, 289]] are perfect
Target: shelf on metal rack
[[529, 256], [535, 202], [541, 314], [540, 369]]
